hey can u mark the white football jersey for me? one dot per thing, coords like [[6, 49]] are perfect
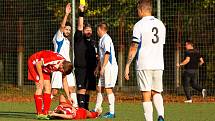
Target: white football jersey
[[62, 45], [150, 33], [106, 44]]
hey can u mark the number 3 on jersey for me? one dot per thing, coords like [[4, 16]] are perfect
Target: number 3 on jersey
[[156, 38]]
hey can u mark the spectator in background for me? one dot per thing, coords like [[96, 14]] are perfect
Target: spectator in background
[[62, 46], [40, 66], [192, 61], [85, 60]]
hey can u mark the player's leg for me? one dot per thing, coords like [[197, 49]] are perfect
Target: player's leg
[[72, 89], [158, 103], [38, 98], [47, 93], [157, 88], [99, 98], [111, 72], [111, 100], [144, 81], [147, 105], [186, 86]]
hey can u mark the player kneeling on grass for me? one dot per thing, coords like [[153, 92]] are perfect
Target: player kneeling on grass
[[40, 66], [66, 110]]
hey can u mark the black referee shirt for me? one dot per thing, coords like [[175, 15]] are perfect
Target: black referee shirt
[[85, 51]]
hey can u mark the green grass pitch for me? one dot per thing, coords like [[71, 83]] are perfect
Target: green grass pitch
[[124, 112]]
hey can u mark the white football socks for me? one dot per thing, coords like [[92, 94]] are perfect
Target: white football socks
[[158, 103], [74, 98], [148, 111], [111, 99], [99, 101]]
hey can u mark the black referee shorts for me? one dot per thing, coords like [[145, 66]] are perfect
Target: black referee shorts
[[85, 79]]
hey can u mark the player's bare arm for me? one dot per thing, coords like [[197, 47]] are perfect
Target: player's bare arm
[[106, 58], [68, 11], [98, 67], [184, 62], [64, 116], [66, 88], [131, 54], [81, 18], [39, 71]]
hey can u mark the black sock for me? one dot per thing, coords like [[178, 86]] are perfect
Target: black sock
[[81, 100], [87, 99]]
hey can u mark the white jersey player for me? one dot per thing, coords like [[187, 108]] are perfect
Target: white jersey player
[[147, 44], [108, 72], [62, 46]]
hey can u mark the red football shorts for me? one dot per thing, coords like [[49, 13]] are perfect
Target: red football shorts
[[32, 72], [81, 113]]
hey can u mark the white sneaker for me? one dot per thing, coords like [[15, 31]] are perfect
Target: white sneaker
[[188, 101], [204, 93]]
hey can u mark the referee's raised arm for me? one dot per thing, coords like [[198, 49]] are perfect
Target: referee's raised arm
[[81, 18]]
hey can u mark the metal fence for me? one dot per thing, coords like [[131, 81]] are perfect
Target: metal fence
[[28, 26]]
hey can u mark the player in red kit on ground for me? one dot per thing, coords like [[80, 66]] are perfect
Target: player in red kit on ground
[[65, 110], [40, 66]]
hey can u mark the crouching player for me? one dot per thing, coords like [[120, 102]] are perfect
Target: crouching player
[[40, 66], [65, 110]]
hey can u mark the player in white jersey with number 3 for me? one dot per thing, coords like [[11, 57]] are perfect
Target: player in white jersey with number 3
[[147, 44], [108, 70], [62, 46]]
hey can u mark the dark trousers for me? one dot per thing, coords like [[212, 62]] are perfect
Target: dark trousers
[[190, 77]]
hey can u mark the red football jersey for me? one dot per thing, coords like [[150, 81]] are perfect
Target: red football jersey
[[50, 60], [77, 113], [50, 63]]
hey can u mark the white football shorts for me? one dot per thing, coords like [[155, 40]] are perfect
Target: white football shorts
[[56, 81], [148, 80], [110, 76]]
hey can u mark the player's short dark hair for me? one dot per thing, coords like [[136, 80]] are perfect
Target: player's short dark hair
[[103, 26], [68, 24], [87, 25], [144, 5], [67, 67]]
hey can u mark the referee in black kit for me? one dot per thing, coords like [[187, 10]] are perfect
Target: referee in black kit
[[85, 60], [192, 61]]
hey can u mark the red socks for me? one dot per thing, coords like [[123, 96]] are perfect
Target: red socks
[[38, 101], [47, 102]]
